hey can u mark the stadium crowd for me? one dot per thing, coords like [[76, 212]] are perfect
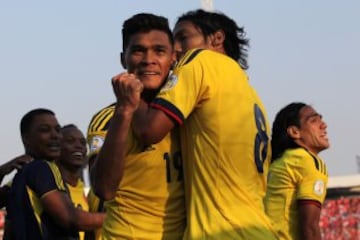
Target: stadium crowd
[[340, 218]]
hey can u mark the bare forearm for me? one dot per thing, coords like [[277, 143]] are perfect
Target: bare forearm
[[15, 163], [311, 233], [5, 169], [86, 221], [108, 168], [309, 213], [141, 123]]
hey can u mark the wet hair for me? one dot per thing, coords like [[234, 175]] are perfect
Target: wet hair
[[27, 119], [235, 43], [280, 140], [143, 23]]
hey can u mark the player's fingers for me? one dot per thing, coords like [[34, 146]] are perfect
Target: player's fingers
[[138, 86], [118, 83], [18, 166]]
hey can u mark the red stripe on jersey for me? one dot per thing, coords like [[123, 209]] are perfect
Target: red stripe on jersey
[[311, 202], [167, 111]]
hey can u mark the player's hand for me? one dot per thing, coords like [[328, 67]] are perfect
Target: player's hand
[[15, 163], [127, 89]]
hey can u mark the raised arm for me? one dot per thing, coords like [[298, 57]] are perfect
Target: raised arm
[[15, 163], [108, 168]]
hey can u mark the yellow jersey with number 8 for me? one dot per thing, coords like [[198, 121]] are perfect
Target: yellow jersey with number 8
[[225, 146]]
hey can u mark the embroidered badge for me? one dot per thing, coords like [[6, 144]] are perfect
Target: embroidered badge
[[96, 143], [319, 187], [170, 82]]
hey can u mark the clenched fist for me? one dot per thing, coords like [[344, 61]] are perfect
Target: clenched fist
[[127, 89]]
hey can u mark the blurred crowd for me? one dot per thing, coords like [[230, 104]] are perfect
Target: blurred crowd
[[340, 219]]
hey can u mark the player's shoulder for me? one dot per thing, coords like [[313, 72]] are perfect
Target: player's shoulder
[[101, 116], [304, 159], [199, 54], [37, 165], [104, 110], [293, 158], [297, 153], [189, 56]]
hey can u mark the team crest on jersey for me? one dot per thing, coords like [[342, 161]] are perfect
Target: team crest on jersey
[[170, 82], [319, 187], [95, 144]]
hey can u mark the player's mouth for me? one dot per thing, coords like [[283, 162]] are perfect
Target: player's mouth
[[148, 73], [54, 147], [324, 136], [78, 154]]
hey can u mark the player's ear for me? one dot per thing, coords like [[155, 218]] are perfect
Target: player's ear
[[122, 60], [293, 132], [217, 40]]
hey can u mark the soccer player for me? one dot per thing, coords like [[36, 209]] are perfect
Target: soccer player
[[40, 206], [71, 164], [297, 177], [224, 130], [143, 184]]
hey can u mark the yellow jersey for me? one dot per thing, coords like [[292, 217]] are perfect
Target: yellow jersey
[[224, 138], [149, 202], [78, 198], [296, 175]]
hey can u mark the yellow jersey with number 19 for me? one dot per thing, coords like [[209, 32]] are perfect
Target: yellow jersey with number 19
[[149, 202], [225, 146]]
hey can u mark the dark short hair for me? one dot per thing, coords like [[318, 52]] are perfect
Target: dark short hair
[[280, 140], [67, 126], [143, 23], [27, 119], [235, 44]]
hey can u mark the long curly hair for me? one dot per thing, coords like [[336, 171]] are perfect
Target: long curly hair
[[280, 140], [236, 44]]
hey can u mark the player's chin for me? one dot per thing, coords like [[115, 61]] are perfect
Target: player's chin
[[78, 161], [324, 144], [51, 154], [152, 83]]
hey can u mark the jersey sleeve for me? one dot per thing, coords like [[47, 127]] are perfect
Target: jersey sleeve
[[185, 88], [44, 177], [97, 129], [312, 180]]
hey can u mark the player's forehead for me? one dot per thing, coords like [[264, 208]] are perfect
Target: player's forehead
[[44, 120], [72, 132], [184, 27], [308, 112]]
